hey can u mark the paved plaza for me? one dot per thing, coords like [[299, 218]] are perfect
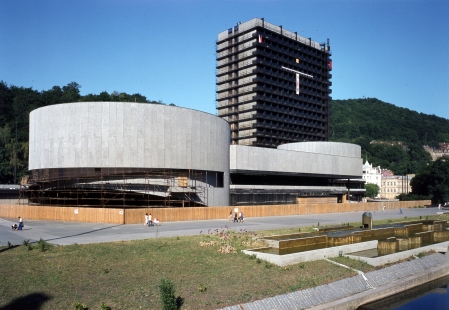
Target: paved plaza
[[65, 233]]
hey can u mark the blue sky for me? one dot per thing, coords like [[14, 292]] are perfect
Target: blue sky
[[396, 51]]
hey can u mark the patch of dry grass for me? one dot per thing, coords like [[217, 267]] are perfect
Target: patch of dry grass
[[125, 275]]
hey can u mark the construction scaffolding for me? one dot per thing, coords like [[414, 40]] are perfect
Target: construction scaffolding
[[118, 187]]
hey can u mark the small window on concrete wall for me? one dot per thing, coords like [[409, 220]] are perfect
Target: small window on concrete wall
[[214, 178], [220, 176]]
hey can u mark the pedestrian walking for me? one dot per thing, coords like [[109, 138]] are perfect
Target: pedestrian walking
[[236, 219], [146, 220], [20, 223], [400, 210]]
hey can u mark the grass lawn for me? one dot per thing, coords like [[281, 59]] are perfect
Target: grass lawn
[[125, 275]]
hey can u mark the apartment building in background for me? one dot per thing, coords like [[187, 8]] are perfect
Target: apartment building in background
[[394, 185], [273, 85]]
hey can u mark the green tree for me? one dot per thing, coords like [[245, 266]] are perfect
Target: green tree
[[371, 190], [439, 185], [433, 181], [71, 92]]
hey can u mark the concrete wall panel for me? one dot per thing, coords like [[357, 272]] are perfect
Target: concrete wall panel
[[330, 148], [312, 158], [134, 135]]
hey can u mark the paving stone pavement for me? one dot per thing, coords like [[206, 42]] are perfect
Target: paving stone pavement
[[311, 297]]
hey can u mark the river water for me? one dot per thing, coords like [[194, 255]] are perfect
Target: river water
[[433, 296]]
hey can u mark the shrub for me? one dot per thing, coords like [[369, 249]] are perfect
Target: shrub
[[167, 294], [421, 254], [202, 288], [43, 245], [79, 306]]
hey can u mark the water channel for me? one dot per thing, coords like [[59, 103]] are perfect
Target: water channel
[[432, 295]]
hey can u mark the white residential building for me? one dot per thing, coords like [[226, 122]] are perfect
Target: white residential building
[[372, 175]]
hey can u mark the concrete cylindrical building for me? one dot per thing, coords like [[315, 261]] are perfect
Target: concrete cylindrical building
[[121, 153]]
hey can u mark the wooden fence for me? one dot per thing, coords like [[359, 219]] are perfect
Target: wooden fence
[[136, 215]]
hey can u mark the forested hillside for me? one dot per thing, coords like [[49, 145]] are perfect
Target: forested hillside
[[15, 105], [363, 121], [359, 121]]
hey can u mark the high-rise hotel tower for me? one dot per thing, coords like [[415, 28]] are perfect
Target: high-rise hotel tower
[[273, 85]]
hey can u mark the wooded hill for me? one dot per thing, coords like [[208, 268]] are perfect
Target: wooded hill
[[16, 103], [357, 121], [390, 136]]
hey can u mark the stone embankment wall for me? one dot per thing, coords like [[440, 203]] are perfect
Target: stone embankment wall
[[350, 293]]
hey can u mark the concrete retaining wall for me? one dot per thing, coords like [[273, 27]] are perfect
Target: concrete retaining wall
[[391, 258], [308, 256]]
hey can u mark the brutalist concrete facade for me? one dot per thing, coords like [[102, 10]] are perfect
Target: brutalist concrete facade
[[273, 85], [324, 159], [117, 154], [303, 169], [134, 152]]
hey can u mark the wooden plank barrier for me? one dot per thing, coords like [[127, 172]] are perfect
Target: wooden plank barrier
[[137, 215]]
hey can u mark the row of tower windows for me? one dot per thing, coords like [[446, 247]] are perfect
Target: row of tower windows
[[315, 133], [299, 111], [289, 126], [281, 39], [292, 55]]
